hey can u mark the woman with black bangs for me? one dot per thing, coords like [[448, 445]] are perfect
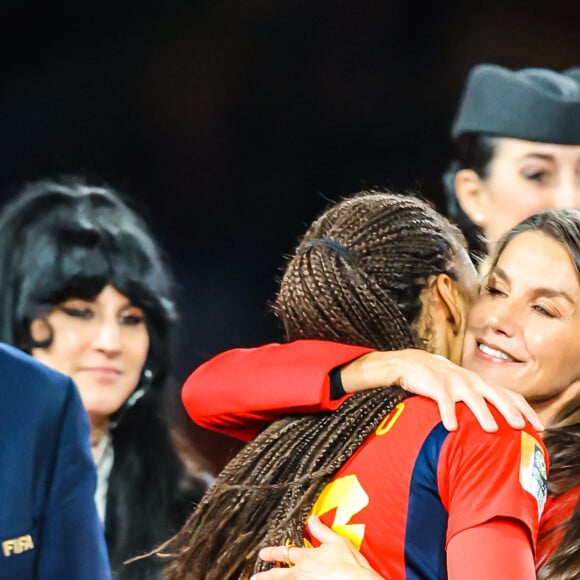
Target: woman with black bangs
[[85, 291]]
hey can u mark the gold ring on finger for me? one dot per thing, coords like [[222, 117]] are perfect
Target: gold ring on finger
[[286, 556]]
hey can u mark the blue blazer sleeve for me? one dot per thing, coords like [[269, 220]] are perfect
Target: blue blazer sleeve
[[71, 540]]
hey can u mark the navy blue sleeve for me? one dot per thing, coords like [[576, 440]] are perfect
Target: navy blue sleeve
[[72, 541]]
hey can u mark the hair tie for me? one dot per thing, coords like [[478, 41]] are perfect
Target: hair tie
[[338, 248]]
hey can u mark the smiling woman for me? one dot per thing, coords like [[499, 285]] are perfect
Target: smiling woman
[[386, 272], [102, 344], [85, 291], [523, 329], [520, 333]]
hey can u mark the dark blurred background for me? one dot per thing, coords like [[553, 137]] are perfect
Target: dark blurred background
[[234, 122]]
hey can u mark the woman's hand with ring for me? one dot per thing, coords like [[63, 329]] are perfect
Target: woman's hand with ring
[[335, 559]]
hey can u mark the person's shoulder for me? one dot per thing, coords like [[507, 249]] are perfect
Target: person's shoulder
[[423, 406], [500, 450], [468, 423], [417, 413], [32, 394], [19, 367]]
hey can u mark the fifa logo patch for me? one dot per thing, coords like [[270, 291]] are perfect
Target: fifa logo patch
[[16, 546], [533, 472]]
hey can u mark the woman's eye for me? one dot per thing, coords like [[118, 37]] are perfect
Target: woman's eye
[[84, 313], [492, 290], [544, 311], [539, 176], [132, 319]]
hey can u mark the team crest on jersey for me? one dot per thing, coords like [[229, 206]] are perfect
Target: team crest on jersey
[[533, 473], [345, 497]]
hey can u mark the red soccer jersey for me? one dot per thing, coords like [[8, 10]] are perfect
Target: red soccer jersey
[[413, 485], [240, 391]]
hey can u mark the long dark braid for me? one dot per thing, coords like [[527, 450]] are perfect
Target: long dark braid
[[356, 277]]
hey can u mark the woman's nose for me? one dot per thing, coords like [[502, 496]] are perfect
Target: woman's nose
[[567, 195], [108, 336], [505, 318]]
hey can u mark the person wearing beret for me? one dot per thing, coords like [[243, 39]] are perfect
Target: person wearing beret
[[49, 527], [517, 137]]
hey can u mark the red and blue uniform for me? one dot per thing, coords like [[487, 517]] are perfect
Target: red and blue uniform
[[412, 487]]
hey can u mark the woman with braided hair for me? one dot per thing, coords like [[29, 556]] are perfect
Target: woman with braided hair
[[516, 335], [383, 271], [559, 536]]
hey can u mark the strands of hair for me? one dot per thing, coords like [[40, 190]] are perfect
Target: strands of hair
[[563, 442]]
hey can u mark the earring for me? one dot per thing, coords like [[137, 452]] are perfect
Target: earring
[[144, 385], [140, 390], [135, 397], [147, 377]]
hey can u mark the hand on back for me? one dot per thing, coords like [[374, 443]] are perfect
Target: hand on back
[[437, 378], [335, 559]]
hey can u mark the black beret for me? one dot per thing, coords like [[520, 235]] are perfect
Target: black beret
[[535, 104]]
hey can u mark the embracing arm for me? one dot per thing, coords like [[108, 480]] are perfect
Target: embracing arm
[[240, 391]]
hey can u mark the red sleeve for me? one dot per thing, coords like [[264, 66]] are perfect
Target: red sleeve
[[485, 476], [240, 391], [497, 549]]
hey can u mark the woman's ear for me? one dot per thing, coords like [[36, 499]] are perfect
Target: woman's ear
[[449, 300], [40, 330], [443, 318], [472, 196]]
